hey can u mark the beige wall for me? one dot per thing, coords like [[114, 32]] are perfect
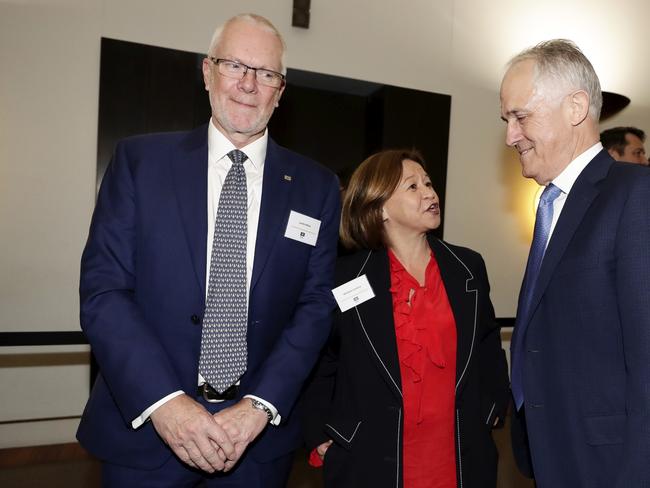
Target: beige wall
[[49, 76]]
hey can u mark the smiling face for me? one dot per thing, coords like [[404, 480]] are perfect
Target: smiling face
[[413, 208], [539, 122], [242, 108]]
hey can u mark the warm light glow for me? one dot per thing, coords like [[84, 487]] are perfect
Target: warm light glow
[[536, 197], [522, 196], [515, 25], [531, 196]]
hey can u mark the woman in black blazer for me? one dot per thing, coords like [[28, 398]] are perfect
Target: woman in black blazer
[[389, 408]]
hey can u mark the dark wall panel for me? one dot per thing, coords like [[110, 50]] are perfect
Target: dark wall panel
[[335, 120]]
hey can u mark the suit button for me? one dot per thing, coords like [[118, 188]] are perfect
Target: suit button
[[196, 320]]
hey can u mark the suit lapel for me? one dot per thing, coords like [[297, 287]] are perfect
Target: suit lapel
[[376, 320], [376, 315], [582, 194], [463, 299], [274, 210], [190, 172]]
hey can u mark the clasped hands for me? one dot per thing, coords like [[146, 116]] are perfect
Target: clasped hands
[[205, 441]]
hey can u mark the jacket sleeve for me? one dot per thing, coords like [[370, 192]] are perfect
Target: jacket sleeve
[[132, 361], [294, 353], [632, 281], [317, 397], [495, 385]]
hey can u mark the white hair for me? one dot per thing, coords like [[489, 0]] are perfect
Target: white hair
[[258, 20], [561, 61]]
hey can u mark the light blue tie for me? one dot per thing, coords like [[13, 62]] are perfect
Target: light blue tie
[[543, 222], [223, 340]]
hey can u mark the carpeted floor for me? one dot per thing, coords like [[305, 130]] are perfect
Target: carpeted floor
[[70, 467]]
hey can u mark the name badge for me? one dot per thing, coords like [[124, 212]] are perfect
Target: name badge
[[302, 228], [353, 293]]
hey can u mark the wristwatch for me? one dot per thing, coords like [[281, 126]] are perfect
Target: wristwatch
[[260, 406]]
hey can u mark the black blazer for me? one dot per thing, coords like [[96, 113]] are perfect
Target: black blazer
[[355, 394]]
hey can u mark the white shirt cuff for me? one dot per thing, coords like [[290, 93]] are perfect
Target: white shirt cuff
[[276, 415], [144, 416]]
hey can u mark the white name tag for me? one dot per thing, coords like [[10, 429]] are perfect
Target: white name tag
[[353, 293], [302, 228]]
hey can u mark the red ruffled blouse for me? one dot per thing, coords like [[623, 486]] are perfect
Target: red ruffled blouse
[[426, 346]]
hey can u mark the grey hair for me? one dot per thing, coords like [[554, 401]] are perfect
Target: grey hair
[[258, 20], [561, 60]]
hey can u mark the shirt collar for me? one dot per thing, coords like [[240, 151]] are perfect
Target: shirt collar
[[565, 180], [219, 146]]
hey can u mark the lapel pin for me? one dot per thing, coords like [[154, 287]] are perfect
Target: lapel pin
[[287, 177]]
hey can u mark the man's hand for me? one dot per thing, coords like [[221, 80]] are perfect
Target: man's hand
[[192, 433], [243, 423]]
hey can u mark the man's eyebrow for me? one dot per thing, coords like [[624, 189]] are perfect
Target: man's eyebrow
[[513, 113]]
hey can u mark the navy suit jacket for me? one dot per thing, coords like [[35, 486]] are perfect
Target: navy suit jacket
[[143, 290], [586, 353]]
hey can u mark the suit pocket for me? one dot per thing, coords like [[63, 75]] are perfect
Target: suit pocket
[[343, 433], [605, 430]]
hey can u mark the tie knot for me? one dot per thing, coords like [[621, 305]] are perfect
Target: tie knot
[[237, 157], [550, 193]]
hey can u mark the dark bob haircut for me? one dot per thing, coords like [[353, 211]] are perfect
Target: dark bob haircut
[[371, 184]]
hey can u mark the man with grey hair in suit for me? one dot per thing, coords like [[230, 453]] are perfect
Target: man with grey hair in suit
[[206, 285], [580, 348]]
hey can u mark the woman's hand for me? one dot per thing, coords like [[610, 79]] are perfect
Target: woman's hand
[[322, 449]]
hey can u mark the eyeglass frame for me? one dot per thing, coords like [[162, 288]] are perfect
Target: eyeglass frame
[[217, 62]]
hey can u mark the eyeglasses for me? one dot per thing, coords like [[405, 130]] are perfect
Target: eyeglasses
[[237, 70]]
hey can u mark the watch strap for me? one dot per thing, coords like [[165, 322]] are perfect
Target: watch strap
[[260, 406]]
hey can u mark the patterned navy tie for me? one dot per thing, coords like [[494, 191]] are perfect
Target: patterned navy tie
[[543, 221], [223, 340]]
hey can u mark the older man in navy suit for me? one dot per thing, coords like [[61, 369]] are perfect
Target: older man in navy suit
[[581, 345], [205, 285]]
